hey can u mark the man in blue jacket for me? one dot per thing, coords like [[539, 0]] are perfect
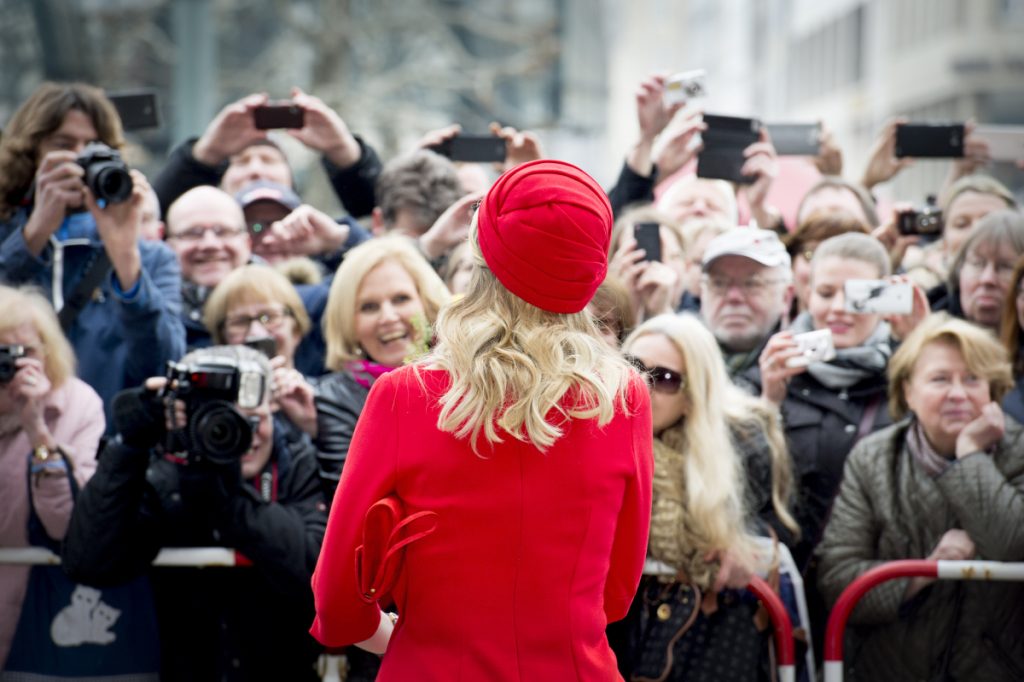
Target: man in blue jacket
[[119, 298]]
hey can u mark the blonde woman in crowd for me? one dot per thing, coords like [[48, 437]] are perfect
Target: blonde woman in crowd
[[50, 427], [722, 473], [945, 482]]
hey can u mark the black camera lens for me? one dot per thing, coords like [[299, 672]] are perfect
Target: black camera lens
[[112, 184], [7, 369], [106, 174], [218, 432], [8, 362]]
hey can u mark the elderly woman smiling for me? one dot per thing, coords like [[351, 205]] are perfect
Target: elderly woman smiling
[[946, 483]]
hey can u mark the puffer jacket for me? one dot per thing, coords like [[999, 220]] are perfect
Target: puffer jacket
[[889, 508]]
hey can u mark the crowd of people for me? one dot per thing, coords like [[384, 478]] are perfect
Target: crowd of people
[[584, 424]]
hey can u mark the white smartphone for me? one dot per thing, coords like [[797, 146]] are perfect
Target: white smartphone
[[816, 346], [878, 296], [685, 86], [1005, 143]]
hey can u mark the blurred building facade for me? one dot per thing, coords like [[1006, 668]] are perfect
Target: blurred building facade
[[851, 63]]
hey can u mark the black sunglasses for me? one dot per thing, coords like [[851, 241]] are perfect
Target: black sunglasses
[[662, 379]]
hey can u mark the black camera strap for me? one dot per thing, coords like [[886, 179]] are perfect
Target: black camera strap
[[93, 277]]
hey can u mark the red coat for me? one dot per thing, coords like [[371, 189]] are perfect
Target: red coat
[[533, 554]]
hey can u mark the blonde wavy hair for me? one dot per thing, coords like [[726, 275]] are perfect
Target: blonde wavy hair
[[339, 317], [512, 363], [27, 305], [712, 475]]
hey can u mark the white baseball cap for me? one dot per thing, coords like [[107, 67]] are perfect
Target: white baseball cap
[[762, 246]]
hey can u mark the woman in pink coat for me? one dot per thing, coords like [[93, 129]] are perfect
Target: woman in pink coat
[[527, 442], [50, 422]]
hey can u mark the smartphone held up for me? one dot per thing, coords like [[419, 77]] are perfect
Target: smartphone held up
[[275, 115], [648, 238]]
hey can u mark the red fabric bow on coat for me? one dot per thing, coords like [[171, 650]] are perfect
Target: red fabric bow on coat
[[386, 534]]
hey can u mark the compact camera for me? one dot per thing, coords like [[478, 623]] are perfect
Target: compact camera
[[814, 347], [8, 355], [215, 430], [926, 220], [684, 86], [879, 296], [106, 173]]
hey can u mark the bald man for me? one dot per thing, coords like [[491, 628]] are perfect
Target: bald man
[[207, 231]]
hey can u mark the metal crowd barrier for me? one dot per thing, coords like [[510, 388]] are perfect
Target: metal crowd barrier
[[908, 568], [785, 651], [177, 556], [222, 556]]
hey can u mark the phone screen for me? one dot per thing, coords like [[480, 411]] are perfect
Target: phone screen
[[137, 110], [648, 238], [724, 142], [265, 344], [795, 139], [272, 116], [473, 148], [930, 141]]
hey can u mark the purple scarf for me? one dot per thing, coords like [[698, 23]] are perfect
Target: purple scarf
[[923, 453], [365, 372]]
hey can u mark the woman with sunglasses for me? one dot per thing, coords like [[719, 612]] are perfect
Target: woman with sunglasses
[[720, 468]]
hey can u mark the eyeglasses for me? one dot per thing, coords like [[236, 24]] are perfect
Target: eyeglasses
[[269, 319], [721, 285], [194, 234], [1003, 269], [662, 379]]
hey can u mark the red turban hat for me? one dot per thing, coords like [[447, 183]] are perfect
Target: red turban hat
[[544, 229]]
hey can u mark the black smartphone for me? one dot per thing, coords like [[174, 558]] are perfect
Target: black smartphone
[[648, 238], [137, 110], [279, 115], [724, 141], [795, 139], [473, 148], [923, 140], [264, 344]]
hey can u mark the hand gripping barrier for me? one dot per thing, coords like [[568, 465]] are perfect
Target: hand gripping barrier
[[177, 556], [782, 626], [908, 568]]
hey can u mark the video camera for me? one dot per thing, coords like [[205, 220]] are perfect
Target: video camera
[[215, 431]]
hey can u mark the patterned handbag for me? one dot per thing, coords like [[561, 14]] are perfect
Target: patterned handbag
[[667, 611]]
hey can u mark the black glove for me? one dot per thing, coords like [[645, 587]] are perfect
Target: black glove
[[139, 417]]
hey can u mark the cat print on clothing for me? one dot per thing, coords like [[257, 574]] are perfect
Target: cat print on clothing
[[86, 620]]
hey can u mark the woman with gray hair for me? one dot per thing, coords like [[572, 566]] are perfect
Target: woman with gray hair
[[982, 272]]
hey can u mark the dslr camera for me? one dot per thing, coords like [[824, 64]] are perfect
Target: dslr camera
[[8, 355], [215, 431], [926, 220], [106, 173]]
